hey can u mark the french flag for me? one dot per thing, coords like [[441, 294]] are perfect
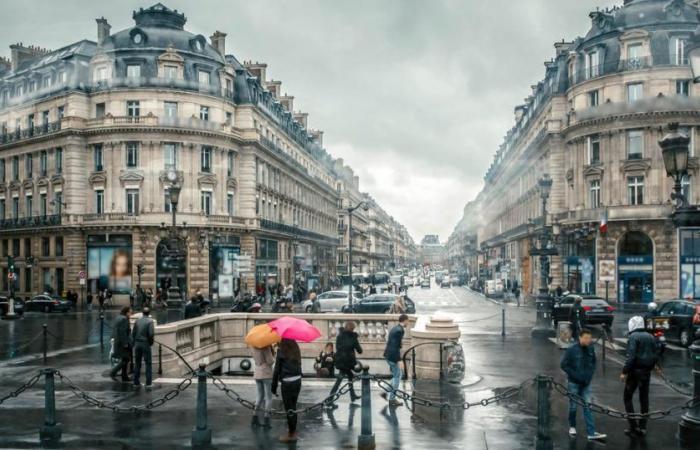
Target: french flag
[[604, 222]]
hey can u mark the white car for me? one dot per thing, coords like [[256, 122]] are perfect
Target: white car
[[331, 301]]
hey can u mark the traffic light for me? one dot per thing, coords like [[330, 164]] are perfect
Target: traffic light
[[139, 269], [10, 264]]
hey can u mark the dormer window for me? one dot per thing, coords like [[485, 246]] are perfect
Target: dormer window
[[203, 77], [137, 36], [170, 72], [133, 71]]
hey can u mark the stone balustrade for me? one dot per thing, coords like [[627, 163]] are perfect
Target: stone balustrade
[[215, 338]]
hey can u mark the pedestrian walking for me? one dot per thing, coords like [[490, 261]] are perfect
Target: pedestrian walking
[[642, 356], [579, 365], [577, 318], [399, 306], [346, 347], [101, 300], [516, 294], [142, 338], [121, 343], [108, 297], [89, 301], [264, 360], [288, 373], [392, 354], [315, 304]]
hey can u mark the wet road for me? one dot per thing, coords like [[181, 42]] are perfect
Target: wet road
[[494, 363]]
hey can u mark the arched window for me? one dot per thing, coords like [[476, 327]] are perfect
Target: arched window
[[636, 243]]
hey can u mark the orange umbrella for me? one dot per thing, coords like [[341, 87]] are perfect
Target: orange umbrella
[[260, 336]]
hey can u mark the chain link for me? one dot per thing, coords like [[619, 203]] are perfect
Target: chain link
[[670, 383], [82, 394], [28, 384], [235, 396]]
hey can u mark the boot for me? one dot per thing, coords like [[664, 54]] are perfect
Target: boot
[[255, 422]]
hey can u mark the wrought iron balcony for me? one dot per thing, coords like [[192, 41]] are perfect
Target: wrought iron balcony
[[30, 222], [27, 133], [296, 231]]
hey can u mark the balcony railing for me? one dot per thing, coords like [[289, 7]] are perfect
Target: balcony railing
[[627, 65], [27, 133], [29, 222], [296, 231], [270, 145]]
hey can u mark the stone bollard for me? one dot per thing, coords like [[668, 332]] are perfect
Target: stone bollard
[[428, 363], [201, 435], [543, 440], [50, 432], [365, 441]]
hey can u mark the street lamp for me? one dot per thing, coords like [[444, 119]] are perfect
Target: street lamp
[[543, 245], [350, 210], [174, 249]]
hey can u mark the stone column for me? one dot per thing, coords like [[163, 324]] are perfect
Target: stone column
[[426, 342]]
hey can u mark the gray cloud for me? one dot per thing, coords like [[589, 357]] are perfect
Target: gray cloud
[[416, 95]]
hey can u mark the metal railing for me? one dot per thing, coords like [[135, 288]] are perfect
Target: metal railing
[[27, 133], [29, 222], [586, 73]]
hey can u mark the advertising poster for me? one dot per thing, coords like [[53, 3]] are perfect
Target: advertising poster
[[111, 268], [607, 270]]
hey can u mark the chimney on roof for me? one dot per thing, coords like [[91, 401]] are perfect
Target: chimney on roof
[[287, 102], [103, 29], [19, 54], [5, 64], [257, 70], [317, 136], [218, 41], [302, 118]]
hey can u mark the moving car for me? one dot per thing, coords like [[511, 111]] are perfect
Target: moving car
[[598, 311], [379, 304], [425, 283], [493, 288], [332, 301], [47, 303], [5, 306], [446, 282], [675, 318]]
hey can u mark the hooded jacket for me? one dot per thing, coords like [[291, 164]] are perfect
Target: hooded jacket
[[641, 348], [346, 344]]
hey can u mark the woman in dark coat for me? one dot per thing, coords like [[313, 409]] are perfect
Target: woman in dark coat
[[288, 373], [346, 344]]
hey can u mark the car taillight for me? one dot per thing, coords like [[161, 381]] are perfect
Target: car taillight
[[55, 302], [610, 308], [587, 308]]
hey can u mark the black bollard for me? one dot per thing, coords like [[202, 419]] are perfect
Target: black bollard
[[102, 331], [689, 426], [543, 441], [50, 432], [46, 341], [503, 320], [201, 435], [365, 441], [160, 359]]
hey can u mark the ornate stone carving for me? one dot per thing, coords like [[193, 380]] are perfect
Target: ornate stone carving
[[131, 177], [636, 165], [593, 170], [206, 179]]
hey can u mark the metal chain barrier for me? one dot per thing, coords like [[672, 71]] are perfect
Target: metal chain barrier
[[27, 344], [406, 396], [82, 394], [671, 384], [235, 396], [17, 392], [614, 413]]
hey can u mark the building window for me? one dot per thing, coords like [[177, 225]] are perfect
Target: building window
[[635, 144], [58, 246], [45, 246], [132, 202], [593, 149], [45, 118], [690, 132], [2, 209], [594, 190], [99, 110], [678, 54], [27, 247], [15, 248], [170, 156], [133, 108], [43, 162], [204, 112], [229, 203], [101, 74], [15, 168], [99, 201], [206, 202], [634, 52], [15, 207], [29, 165], [635, 190], [43, 205], [2, 170], [635, 91], [132, 154], [62, 77], [167, 205], [206, 162], [230, 159], [98, 157], [686, 187], [28, 279], [593, 98], [229, 118], [683, 87], [58, 202], [60, 112], [29, 206], [170, 72], [203, 77], [133, 71], [592, 65], [170, 109], [59, 160]]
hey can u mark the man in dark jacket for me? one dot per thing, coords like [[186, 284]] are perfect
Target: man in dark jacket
[[142, 338], [121, 345], [392, 354], [636, 373], [346, 344], [579, 364], [577, 317], [192, 309]]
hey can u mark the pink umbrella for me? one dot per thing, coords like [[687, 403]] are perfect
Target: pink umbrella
[[296, 329]]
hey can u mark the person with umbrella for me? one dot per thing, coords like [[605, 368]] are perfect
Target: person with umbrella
[[288, 373], [264, 359]]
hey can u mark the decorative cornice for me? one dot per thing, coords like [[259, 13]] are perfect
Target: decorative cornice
[[207, 179], [593, 170], [42, 182], [636, 165], [57, 179], [28, 184], [570, 177], [130, 176], [231, 183], [15, 185], [97, 178]]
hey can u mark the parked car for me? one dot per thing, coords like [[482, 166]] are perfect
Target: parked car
[[47, 303], [425, 283], [446, 282], [598, 311], [675, 318], [332, 301], [379, 304], [5, 306], [493, 288]]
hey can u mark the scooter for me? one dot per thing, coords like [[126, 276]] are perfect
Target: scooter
[[282, 305], [243, 304], [660, 341]]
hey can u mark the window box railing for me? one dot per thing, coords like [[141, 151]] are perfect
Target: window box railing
[[27, 133], [584, 73], [29, 222]]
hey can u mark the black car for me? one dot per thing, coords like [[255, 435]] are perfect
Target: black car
[[675, 318], [5, 306], [47, 303], [598, 311], [380, 304]]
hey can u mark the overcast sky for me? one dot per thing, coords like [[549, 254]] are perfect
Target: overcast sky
[[415, 95]]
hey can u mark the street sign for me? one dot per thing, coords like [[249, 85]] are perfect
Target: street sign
[[606, 270], [81, 275], [82, 281]]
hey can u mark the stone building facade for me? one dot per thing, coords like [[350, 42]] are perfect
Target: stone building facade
[[593, 124], [89, 133]]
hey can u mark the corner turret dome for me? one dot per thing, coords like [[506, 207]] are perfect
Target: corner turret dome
[[159, 16]]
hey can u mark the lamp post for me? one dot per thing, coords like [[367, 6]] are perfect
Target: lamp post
[[350, 210], [543, 245], [174, 249]]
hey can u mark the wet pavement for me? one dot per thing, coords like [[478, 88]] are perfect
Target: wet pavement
[[494, 363]]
